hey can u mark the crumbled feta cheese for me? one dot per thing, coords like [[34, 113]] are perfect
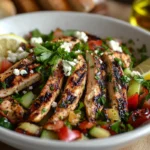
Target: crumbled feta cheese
[[135, 73], [96, 51], [35, 40], [19, 54], [67, 46], [81, 36], [22, 55], [78, 51], [20, 49], [54, 104], [24, 92], [16, 72], [67, 66], [31, 50], [31, 71], [23, 72], [101, 54], [30, 87], [114, 45], [100, 61]]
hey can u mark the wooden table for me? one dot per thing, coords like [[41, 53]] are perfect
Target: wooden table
[[142, 144]]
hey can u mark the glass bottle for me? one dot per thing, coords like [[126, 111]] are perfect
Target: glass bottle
[[141, 14]]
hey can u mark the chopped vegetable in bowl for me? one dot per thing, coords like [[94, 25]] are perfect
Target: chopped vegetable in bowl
[[70, 85]]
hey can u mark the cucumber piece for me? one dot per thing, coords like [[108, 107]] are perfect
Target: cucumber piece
[[113, 114], [4, 122], [29, 129], [49, 135], [98, 132], [27, 99], [127, 71], [83, 138], [134, 87]]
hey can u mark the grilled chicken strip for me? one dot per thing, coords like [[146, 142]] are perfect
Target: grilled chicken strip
[[72, 92], [96, 86], [43, 102], [11, 83], [126, 59], [116, 88], [11, 109]]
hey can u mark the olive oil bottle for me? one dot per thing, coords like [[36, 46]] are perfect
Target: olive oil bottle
[[141, 14]]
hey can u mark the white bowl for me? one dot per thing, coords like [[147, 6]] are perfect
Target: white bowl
[[94, 24]]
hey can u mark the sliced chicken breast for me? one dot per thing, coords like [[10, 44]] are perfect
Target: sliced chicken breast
[[96, 86], [49, 93], [72, 92]]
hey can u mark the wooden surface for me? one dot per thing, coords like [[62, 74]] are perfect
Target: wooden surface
[[142, 144]]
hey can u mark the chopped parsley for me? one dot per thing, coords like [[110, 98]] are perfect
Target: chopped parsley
[[138, 78], [1, 100], [125, 79], [45, 37], [102, 100], [3, 85], [119, 61], [44, 110]]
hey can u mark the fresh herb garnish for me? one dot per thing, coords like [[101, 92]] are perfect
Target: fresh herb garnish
[[109, 77], [45, 37], [67, 123], [119, 61], [44, 110], [125, 79], [138, 78], [17, 97], [3, 85], [1, 100], [102, 100]]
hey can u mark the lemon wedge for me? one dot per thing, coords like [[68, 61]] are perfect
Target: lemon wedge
[[144, 69], [10, 42]]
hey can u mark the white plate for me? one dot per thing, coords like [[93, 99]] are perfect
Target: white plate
[[94, 24]]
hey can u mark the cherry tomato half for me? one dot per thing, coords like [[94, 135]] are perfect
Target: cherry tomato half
[[133, 101], [139, 117], [5, 64], [66, 134]]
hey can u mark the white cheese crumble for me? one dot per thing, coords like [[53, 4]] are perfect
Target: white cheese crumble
[[100, 61], [35, 40], [114, 45], [96, 51], [78, 51], [24, 92], [54, 104], [31, 50], [81, 36], [16, 72], [30, 87], [23, 72], [15, 56], [67, 66], [67, 46], [31, 71], [135, 73]]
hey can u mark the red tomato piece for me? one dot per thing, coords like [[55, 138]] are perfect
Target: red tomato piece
[[139, 117], [133, 101], [94, 43], [5, 64], [145, 103], [86, 125], [66, 134]]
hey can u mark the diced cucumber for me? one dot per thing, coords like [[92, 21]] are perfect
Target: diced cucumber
[[98, 132], [83, 137], [113, 114], [29, 128], [49, 135], [127, 71], [4, 122], [134, 87], [27, 99]]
